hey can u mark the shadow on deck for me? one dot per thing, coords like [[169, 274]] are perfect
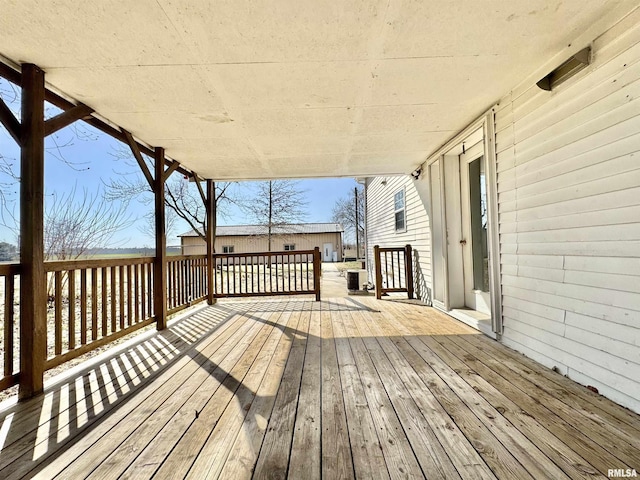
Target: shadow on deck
[[343, 388]]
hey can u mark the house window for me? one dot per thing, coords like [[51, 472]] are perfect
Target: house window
[[399, 211], [289, 246], [227, 249]]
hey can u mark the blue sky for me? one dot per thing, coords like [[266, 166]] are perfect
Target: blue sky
[[83, 157]]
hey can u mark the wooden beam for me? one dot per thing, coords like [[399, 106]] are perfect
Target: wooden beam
[[33, 292], [62, 103], [160, 262], [210, 238], [10, 74], [66, 118], [133, 145], [172, 168], [10, 122]]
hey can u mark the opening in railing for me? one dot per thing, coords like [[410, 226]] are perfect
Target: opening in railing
[[394, 270], [267, 273]]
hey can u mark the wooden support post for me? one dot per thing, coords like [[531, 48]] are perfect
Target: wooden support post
[[210, 237], [376, 256], [317, 265], [408, 268], [33, 293], [160, 262]]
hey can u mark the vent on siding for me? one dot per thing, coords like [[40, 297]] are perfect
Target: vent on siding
[[567, 70]]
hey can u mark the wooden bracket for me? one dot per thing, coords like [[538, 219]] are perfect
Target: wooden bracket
[[202, 195], [136, 153], [172, 168], [66, 118], [10, 122]]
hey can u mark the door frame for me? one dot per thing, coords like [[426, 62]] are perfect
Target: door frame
[[480, 299], [483, 128]]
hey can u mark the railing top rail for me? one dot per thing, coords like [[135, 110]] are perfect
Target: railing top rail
[[391, 249], [265, 254], [9, 269], [58, 266], [177, 258]]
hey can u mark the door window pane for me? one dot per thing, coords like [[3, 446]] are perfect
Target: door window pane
[[478, 208]]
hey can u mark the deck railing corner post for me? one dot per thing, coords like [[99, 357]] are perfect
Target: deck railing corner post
[[378, 267], [317, 265], [408, 255]]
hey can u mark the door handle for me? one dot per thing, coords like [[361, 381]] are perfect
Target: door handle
[[463, 242]]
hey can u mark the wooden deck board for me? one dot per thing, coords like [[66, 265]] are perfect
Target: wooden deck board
[[344, 388]]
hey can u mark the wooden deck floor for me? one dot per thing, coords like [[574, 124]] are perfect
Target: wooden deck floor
[[343, 388]]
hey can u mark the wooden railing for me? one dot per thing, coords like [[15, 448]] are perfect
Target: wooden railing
[[267, 273], [9, 276], [186, 281], [394, 270], [95, 302]]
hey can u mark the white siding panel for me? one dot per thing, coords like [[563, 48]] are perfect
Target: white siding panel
[[569, 210], [620, 333], [622, 266], [381, 225]]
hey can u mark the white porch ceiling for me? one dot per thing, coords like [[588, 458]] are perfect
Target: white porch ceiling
[[246, 89]]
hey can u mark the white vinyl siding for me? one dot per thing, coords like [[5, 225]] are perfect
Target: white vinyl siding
[[381, 225], [569, 215]]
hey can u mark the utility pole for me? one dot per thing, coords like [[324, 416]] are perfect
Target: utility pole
[[355, 195]]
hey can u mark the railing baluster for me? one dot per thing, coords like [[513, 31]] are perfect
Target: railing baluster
[[143, 292], [150, 290], [72, 309], [121, 296], [246, 274], [83, 306], [104, 309], [9, 313], [57, 276], [233, 269], [129, 304], [112, 287], [136, 293], [295, 273], [227, 273], [94, 303]]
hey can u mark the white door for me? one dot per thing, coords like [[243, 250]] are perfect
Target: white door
[[327, 252], [475, 250]]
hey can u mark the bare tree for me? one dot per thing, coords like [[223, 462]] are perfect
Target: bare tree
[[75, 223], [277, 204], [182, 198], [350, 212]]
